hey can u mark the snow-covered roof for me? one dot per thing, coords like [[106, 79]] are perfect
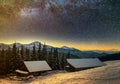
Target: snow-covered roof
[[85, 63], [22, 72], [36, 66]]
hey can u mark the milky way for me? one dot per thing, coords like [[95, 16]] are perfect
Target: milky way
[[72, 28]]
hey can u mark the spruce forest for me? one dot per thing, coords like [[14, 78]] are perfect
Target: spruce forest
[[13, 58]]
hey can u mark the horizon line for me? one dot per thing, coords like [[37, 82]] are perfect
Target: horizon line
[[60, 46]]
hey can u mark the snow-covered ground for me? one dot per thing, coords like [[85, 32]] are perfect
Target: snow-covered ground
[[109, 74]]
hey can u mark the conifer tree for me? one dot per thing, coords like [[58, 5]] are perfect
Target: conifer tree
[[34, 54], [22, 52], [3, 62], [15, 61], [44, 53], [39, 53], [50, 58], [8, 59], [56, 58], [27, 54], [64, 61], [68, 55]]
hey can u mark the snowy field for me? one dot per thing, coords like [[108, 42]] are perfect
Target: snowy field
[[109, 74]]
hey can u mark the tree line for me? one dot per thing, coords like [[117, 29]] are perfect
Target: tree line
[[13, 58]]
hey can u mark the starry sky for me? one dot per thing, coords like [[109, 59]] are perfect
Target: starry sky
[[78, 31]]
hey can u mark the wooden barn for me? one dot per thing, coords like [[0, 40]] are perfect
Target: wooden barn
[[81, 64], [34, 67]]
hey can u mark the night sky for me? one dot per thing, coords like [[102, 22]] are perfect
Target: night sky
[[79, 31]]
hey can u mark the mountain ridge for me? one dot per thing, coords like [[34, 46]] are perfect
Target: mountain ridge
[[63, 49]]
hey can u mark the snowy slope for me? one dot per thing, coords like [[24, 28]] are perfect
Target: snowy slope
[[109, 74]]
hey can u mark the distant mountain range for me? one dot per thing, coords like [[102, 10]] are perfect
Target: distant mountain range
[[74, 52], [110, 57]]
